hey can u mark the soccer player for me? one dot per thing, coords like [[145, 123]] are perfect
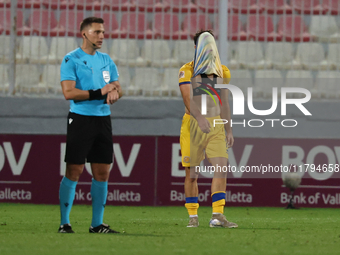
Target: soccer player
[[89, 80], [199, 137]]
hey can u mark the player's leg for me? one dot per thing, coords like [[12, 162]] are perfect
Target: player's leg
[[77, 147], [99, 186], [218, 188], [218, 184], [216, 151], [190, 183], [100, 157], [99, 192], [66, 195], [191, 195], [189, 158]]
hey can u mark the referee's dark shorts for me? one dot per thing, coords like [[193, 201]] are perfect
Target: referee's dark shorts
[[89, 139]]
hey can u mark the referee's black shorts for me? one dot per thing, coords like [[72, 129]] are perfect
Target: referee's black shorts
[[89, 138]]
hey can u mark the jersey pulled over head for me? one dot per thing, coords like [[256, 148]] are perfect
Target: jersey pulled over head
[[207, 59]]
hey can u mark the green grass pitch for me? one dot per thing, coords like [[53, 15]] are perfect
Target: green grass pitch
[[32, 229]]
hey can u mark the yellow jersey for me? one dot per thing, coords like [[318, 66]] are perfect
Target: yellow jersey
[[187, 70]]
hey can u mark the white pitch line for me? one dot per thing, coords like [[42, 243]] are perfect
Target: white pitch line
[[316, 186], [114, 183], [15, 182], [209, 184]]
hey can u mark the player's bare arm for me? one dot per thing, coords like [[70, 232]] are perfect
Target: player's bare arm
[[72, 93], [192, 109], [225, 114]]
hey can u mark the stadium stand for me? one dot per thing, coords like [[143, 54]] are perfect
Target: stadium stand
[[170, 82], [327, 84], [151, 6], [154, 81], [4, 83], [181, 5], [307, 6], [124, 77], [300, 79], [333, 57], [261, 28], [233, 63], [69, 23], [184, 51], [280, 55], [93, 5], [25, 4], [58, 5], [265, 80], [51, 79], [242, 79], [293, 29], [5, 49], [28, 79], [157, 35], [133, 89], [275, 6], [331, 6], [244, 6], [32, 49], [42, 22], [125, 52], [166, 26], [324, 28], [311, 56], [60, 46], [134, 26], [122, 5], [249, 55], [157, 53], [236, 31], [210, 6], [5, 19], [193, 23]]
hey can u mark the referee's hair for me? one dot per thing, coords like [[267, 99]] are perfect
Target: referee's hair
[[88, 22], [201, 32]]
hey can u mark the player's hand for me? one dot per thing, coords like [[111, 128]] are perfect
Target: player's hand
[[204, 124], [107, 88], [230, 139], [112, 97]]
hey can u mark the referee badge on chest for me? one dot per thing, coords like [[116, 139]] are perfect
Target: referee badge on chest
[[106, 76]]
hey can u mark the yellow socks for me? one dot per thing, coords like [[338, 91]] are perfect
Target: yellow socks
[[192, 206], [218, 202]]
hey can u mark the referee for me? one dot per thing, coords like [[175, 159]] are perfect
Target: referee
[[89, 80]]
